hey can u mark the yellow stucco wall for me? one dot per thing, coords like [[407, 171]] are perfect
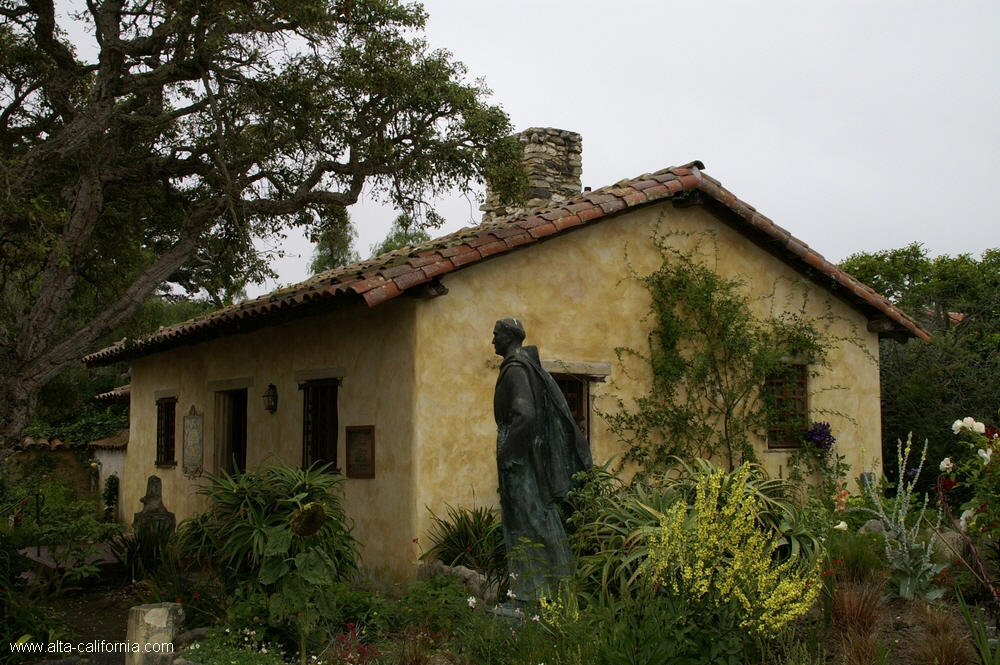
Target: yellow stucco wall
[[423, 371], [577, 303], [374, 348]]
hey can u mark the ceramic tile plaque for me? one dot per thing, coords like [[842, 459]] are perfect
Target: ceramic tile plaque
[[194, 445]]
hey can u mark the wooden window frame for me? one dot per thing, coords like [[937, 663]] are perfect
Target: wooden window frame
[[790, 422], [166, 431], [584, 409], [329, 423]]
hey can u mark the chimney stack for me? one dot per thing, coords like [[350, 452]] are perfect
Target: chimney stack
[[553, 160]]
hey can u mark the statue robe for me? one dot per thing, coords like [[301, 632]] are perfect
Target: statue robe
[[539, 448]]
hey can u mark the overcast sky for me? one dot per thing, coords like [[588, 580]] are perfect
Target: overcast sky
[[857, 126]]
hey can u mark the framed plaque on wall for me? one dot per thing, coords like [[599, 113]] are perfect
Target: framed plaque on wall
[[361, 452]]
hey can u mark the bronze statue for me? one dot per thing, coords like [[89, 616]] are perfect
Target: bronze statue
[[539, 448]]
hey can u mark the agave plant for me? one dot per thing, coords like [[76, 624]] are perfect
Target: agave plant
[[471, 537]]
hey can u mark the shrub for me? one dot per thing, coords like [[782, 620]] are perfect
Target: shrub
[[472, 538], [715, 551], [283, 541], [857, 557]]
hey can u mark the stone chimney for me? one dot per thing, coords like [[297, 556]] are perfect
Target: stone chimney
[[553, 159]]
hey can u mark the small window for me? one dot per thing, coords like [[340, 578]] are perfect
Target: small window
[[320, 423], [166, 431], [574, 389], [789, 399]]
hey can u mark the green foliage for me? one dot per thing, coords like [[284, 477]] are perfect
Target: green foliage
[[986, 653], [218, 129], [280, 540], [21, 617], [711, 356], [472, 538], [403, 233], [334, 240], [857, 557], [957, 298], [715, 551], [72, 531], [110, 496], [141, 553], [224, 646], [611, 534], [91, 427]]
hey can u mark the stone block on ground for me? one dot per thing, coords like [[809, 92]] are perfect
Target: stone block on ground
[[154, 624]]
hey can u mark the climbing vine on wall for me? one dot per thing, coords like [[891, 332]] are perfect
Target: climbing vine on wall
[[711, 356]]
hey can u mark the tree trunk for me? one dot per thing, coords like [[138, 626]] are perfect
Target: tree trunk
[[18, 397]]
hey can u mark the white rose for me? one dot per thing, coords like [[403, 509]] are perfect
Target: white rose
[[842, 526], [956, 427], [979, 428], [946, 465], [969, 422], [985, 454], [963, 522]]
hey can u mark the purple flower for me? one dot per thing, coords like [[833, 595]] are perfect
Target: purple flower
[[819, 435]]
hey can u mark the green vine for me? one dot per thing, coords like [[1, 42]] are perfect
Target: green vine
[[711, 357]]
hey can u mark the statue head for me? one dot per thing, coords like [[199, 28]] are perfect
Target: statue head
[[507, 336]]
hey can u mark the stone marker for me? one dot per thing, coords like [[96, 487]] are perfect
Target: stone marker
[[154, 513], [157, 623]]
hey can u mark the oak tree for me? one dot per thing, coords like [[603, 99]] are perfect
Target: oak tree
[[185, 131]]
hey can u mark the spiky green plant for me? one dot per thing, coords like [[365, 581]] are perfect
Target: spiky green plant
[[471, 537]]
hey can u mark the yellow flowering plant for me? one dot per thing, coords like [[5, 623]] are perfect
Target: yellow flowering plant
[[715, 551]]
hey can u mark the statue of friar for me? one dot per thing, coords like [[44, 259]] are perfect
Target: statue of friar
[[539, 448]]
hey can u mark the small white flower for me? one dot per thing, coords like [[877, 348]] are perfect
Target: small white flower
[[979, 428], [513, 576], [511, 594], [519, 613], [842, 526], [536, 619], [957, 426], [946, 465], [263, 649], [985, 454], [964, 521], [472, 602]]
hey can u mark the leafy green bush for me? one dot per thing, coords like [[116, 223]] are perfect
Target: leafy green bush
[[281, 541]]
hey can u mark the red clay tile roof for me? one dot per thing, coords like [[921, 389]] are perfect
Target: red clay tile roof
[[118, 441], [389, 275], [119, 394]]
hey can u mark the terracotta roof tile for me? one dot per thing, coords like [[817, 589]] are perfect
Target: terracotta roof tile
[[388, 276]]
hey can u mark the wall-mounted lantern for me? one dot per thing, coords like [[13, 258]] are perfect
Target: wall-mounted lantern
[[271, 398]]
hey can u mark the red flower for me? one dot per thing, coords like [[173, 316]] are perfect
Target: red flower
[[948, 484], [177, 600], [468, 549], [196, 595]]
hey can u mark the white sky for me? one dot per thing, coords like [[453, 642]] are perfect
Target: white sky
[[857, 126]]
